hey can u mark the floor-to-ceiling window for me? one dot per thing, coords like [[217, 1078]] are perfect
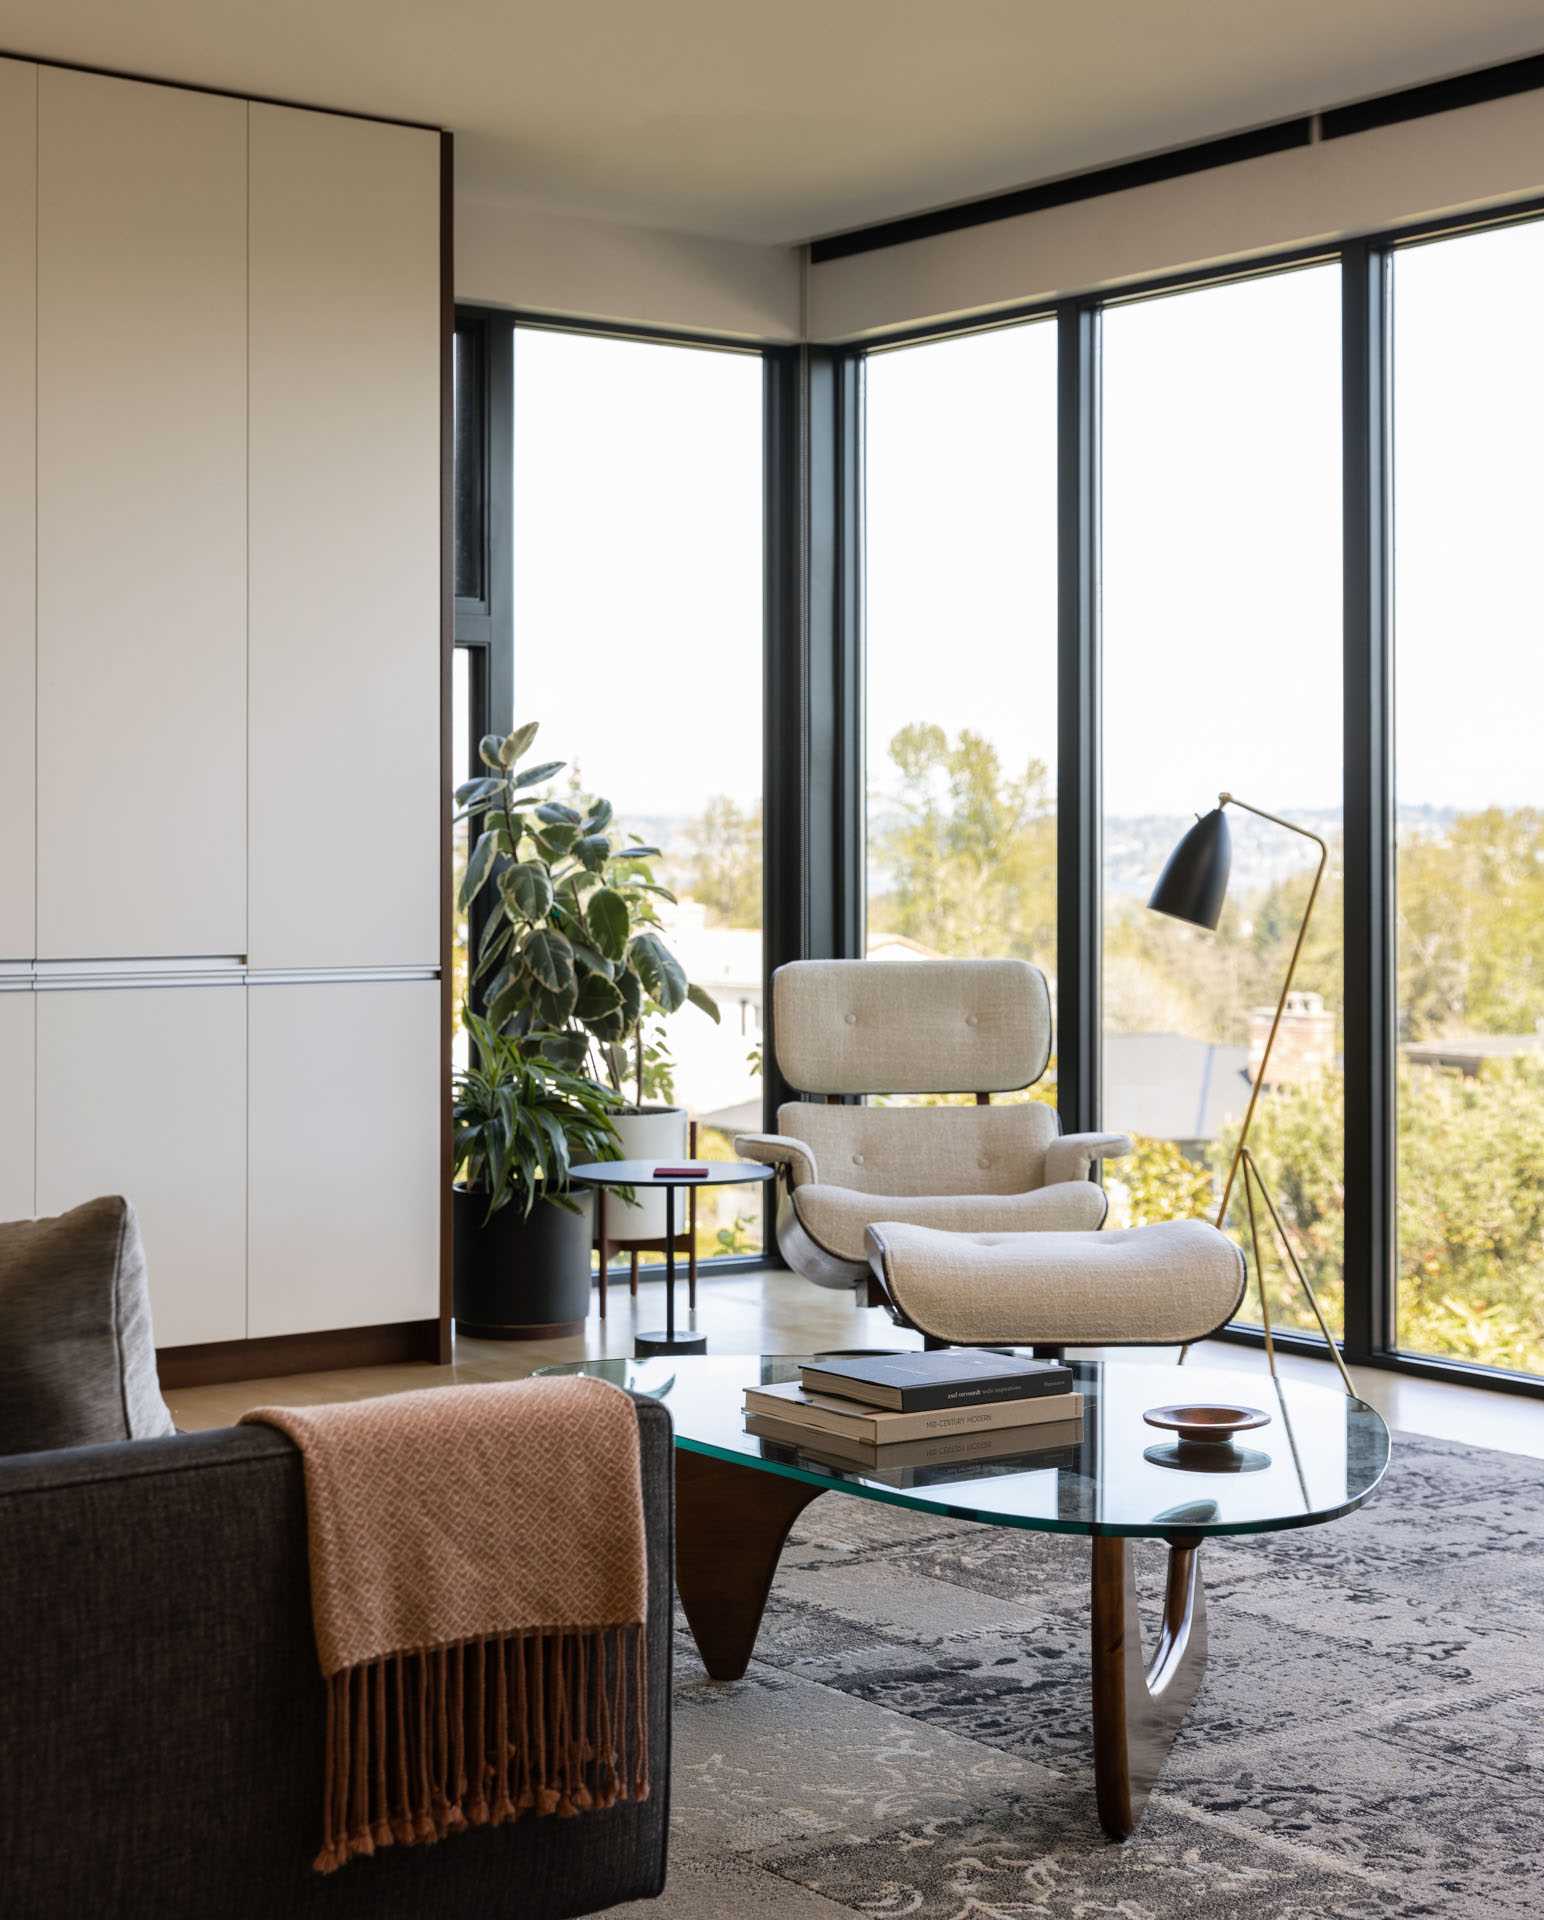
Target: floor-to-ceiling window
[[961, 648], [1222, 670], [1468, 400], [637, 588]]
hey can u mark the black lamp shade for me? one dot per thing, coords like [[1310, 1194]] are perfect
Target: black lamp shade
[[1194, 881]]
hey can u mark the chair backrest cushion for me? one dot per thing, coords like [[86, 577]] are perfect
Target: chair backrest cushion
[[910, 1151], [77, 1356], [911, 1026]]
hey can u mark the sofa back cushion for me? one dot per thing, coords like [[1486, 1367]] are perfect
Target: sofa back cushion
[[913, 1151], [77, 1357]]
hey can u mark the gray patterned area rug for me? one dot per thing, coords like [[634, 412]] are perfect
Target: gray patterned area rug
[[913, 1738]]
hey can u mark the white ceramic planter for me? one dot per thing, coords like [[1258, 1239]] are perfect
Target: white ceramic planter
[[657, 1134]]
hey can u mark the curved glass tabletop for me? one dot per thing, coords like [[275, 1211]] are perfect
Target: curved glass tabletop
[[1320, 1455], [641, 1173]]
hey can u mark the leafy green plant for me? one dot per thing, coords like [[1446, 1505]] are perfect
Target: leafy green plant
[[521, 1122], [572, 954]]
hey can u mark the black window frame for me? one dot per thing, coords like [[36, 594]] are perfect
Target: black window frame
[[1365, 263], [485, 622]]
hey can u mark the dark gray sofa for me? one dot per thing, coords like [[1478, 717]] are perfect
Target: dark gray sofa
[[161, 1711]]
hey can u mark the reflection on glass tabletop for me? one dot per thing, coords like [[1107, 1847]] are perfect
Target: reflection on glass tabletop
[[643, 1173], [1320, 1455]]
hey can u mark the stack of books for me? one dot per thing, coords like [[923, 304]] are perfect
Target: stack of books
[[906, 1413]]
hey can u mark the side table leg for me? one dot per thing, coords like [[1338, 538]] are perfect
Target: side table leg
[[1138, 1709], [731, 1523]]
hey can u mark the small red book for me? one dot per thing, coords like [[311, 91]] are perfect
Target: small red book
[[680, 1173]]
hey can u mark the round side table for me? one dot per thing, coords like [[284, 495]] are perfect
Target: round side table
[[646, 1173]]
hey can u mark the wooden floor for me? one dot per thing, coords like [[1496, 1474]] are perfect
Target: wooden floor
[[767, 1310]]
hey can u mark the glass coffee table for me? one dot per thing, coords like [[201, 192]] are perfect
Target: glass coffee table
[[1108, 1475]]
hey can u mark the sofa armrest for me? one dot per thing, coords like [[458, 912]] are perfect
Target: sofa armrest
[[780, 1150], [1073, 1155]]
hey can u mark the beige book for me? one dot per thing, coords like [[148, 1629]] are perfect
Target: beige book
[[1048, 1440], [825, 1413]]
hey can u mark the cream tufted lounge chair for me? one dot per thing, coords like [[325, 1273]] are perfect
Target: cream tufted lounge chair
[[843, 1027]]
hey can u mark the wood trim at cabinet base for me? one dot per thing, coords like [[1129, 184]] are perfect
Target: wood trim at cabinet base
[[220, 1361]]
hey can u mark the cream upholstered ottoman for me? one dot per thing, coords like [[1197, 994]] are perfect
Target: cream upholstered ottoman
[[1161, 1285]]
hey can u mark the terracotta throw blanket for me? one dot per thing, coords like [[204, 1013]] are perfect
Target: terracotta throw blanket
[[478, 1587]]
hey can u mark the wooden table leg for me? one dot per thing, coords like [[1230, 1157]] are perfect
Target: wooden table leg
[[1138, 1707], [731, 1523]]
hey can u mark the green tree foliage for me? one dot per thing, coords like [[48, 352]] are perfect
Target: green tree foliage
[[722, 863], [967, 862], [971, 853]]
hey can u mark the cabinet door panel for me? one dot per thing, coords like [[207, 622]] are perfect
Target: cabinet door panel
[[345, 560], [142, 1091], [17, 1040], [18, 504], [141, 464], [344, 1155]]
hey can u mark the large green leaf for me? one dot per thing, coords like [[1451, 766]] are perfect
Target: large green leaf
[[637, 853], [550, 959], [490, 750], [594, 849], [699, 997], [554, 1008], [506, 1001], [631, 990], [533, 776], [493, 950], [609, 922], [557, 814], [478, 867], [557, 840], [519, 742], [527, 890], [659, 970], [599, 1003], [473, 792], [599, 816]]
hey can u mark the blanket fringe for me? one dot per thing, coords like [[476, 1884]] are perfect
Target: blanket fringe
[[424, 1742]]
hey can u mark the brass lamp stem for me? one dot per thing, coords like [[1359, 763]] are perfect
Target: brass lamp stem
[[1229, 799], [1241, 1154]]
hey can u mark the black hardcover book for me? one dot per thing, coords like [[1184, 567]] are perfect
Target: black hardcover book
[[925, 1382]]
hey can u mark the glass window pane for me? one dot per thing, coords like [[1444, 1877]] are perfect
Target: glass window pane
[[1469, 778], [1222, 671], [638, 647], [961, 649]]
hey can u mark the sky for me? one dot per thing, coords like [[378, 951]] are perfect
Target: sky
[[638, 566]]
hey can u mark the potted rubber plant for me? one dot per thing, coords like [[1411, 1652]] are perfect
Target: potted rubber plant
[[572, 954], [522, 1230]]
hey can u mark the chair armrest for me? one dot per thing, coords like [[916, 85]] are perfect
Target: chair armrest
[[779, 1150], [1073, 1155]]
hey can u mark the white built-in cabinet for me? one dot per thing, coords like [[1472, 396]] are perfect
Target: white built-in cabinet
[[344, 1152], [220, 693], [18, 1048], [18, 514], [142, 1091], [345, 541], [141, 518]]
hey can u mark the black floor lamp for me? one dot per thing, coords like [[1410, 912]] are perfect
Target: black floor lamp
[[1192, 887]]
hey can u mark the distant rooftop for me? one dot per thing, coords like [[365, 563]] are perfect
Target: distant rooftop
[[1171, 1087]]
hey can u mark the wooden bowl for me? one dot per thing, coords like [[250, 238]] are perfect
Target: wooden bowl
[[1206, 1426]]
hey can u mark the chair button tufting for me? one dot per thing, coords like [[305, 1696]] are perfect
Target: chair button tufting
[[857, 1159], [970, 1019], [983, 1163], [852, 1019]]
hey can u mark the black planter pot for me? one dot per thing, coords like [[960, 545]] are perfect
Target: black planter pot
[[521, 1279]]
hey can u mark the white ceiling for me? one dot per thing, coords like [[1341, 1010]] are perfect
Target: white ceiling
[[779, 121]]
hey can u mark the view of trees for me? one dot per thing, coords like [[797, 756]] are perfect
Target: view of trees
[[962, 860]]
